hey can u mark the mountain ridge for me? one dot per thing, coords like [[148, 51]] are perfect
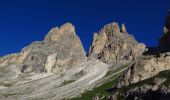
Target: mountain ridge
[[58, 68]]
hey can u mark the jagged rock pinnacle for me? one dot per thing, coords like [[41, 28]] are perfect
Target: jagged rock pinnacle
[[111, 28], [165, 30], [110, 45], [123, 28]]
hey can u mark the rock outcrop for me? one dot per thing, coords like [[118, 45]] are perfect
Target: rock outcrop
[[60, 50], [144, 68], [113, 44], [155, 88], [145, 92]]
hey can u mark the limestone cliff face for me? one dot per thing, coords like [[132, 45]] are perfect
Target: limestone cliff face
[[60, 50], [112, 44], [144, 68]]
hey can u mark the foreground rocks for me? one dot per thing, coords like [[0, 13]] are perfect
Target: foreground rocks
[[113, 44], [155, 88], [145, 92]]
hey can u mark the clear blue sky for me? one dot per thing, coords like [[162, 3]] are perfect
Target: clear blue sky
[[25, 21]]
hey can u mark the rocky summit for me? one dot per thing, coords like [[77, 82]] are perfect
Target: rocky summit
[[113, 44]]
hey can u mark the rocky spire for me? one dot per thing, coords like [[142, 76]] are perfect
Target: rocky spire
[[60, 50], [116, 27], [111, 45], [165, 30], [123, 28]]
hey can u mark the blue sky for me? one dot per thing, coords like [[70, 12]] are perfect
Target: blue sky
[[25, 21]]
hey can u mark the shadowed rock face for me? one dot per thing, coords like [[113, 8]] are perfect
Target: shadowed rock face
[[167, 23], [112, 44], [164, 42], [60, 50]]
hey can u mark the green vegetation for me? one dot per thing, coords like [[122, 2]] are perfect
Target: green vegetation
[[37, 99], [67, 82], [6, 84], [163, 74], [117, 70], [9, 94], [100, 91], [80, 74]]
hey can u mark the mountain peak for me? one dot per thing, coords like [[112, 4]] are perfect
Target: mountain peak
[[112, 28], [111, 45], [68, 26], [65, 30], [60, 50]]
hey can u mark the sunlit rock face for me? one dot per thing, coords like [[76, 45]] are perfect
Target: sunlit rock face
[[60, 50], [112, 44], [144, 68]]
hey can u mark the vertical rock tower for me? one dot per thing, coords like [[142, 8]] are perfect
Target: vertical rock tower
[[113, 44]]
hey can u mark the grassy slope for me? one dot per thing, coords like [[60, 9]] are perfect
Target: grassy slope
[[98, 91], [101, 91]]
